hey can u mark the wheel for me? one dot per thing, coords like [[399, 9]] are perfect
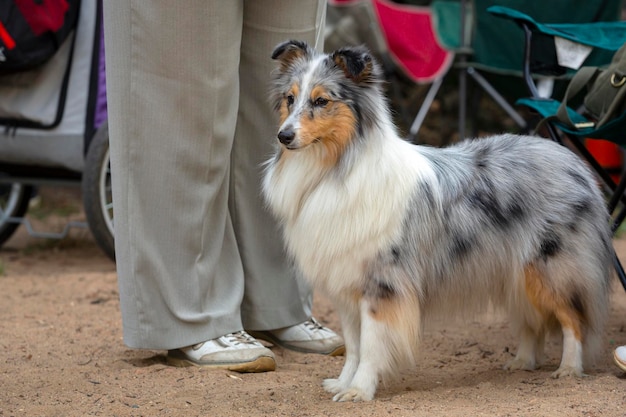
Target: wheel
[[96, 191], [14, 199]]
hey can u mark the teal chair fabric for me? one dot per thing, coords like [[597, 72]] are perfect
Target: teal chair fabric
[[495, 44], [498, 43], [615, 130], [604, 36], [489, 49]]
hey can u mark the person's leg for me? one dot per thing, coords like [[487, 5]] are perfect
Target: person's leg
[[273, 297], [173, 98]]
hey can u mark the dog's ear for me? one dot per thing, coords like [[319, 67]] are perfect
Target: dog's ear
[[289, 51], [357, 64]]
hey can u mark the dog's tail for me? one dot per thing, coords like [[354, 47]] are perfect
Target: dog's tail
[[597, 312], [597, 264]]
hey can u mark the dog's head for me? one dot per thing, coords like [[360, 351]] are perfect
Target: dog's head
[[325, 100]]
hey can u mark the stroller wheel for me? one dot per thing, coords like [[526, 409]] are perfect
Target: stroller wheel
[[96, 191], [14, 199]]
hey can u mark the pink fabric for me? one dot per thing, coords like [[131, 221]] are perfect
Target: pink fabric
[[412, 41]]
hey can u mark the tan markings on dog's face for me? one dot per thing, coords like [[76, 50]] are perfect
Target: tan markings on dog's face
[[549, 304], [292, 94], [329, 122]]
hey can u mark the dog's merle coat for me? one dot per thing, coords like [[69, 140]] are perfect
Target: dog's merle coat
[[396, 233]]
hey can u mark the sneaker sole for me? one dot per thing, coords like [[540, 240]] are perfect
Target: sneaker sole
[[621, 365], [268, 337], [261, 364]]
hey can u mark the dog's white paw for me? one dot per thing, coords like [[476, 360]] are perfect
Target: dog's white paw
[[521, 364], [333, 385], [565, 371], [354, 395]]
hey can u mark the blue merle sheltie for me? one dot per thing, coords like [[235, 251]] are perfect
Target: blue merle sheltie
[[395, 233]]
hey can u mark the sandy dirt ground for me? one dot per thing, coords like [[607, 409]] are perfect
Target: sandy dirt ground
[[63, 355]]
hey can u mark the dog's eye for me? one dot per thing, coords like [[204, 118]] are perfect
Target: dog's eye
[[290, 99], [320, 102]]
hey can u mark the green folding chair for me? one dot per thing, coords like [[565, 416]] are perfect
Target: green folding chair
[[488, 48], [539, 56]]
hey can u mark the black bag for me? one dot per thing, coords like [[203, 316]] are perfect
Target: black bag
[[31, 31]]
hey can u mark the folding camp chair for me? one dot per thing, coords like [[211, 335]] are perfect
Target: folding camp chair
[[457, 23], [543, 53], [403, 39], [487, 47]]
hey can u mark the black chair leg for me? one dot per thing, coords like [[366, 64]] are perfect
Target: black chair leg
[[617, 194]]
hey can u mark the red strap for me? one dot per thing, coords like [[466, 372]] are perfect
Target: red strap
[[43, 15], [6, 39]]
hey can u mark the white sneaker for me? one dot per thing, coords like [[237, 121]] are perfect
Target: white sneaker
[[619, 356], [237, 352], [306, 337]]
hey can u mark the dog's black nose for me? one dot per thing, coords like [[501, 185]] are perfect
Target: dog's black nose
[[286, 136]]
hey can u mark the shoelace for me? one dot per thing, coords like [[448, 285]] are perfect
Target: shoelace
[[237, 338], [313, 325], [240, 337]]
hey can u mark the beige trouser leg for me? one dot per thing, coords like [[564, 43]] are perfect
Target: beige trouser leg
[[266, 23], [187, 260]]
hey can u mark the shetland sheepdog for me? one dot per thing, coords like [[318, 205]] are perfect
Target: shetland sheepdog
[[395, 233]]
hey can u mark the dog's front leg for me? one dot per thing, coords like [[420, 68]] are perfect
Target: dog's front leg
[[351, 326], [372, 356]]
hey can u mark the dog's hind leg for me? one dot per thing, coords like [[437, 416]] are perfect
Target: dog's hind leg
[[540, 344], [562, 303], [570, 313], [528, 321], [572, 359], [530, 350], [350, 324]]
